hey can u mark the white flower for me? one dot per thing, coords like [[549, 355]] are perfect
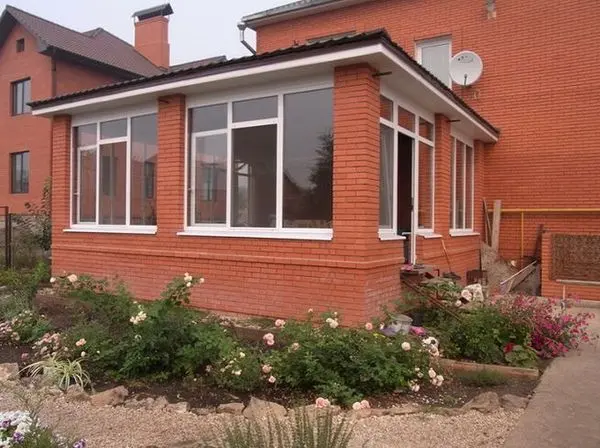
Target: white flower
[[208, 369], [188, 285], [295, 346], [52, 280], [369, 326], [310, 311], [137, 337], [237, 372], [458, 303], [365, 404], [406, 346], [322, 403], [72, 278], [272, 379], [138, 318], [80, 342], [356, 406], [242, 355], [432, 373], [280, 323], [187, 278], [417, 369], [83, 354], [266, 368], [333, 323], [201, 280], [415, 387], [419, 375]]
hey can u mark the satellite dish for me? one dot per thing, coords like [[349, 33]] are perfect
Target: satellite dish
[[466, 68]]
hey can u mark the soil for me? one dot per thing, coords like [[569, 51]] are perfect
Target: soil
[[61, 312]]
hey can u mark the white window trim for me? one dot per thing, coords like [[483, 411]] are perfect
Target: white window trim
[[96, 119], [424, 43], [430, 117], [464, 230], [228, 98]]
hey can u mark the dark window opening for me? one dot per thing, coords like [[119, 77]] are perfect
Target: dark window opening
[[19, 172], [20, 45], [21, 95]]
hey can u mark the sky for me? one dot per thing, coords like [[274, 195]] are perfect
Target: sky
[[198, 28]]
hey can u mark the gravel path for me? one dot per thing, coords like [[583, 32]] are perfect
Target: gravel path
[[128, 428]]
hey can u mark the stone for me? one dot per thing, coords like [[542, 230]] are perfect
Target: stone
[[486, 402], [512, 402], [179, 408], [231, 408], [76, 393], [110, 397], [405, 409], [311, 410], [378, 412], [359, 414], [203, 411], [260, 409], [134, 403], [9, 371], [158, 404]]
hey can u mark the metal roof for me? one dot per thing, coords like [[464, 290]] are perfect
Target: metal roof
[[156, 11], [378, 36]]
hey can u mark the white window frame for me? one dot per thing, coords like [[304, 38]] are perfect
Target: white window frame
[[97, 119], [230, 97], [434, 42], [465, 229], [386, 233]]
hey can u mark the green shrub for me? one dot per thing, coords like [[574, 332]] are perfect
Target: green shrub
[[482, 378], [520, 356], [26, 327], [481, 335], [22, 287], [343, 363]]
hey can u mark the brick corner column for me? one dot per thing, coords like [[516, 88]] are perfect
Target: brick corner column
[[61, 175], [443, 174], [171, 164], [356, 156]]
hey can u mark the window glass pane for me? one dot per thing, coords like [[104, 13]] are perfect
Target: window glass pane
[[386, 180], [308, 159], [435, 57], [425, 129], [17, 98], [254, 176], [143, 170], [15, 173], [469, 188], [26, 95], [113, 175], [452, 181], [257, 109], [406, 119], [87, 189], [85, 135], [113, 129], [24, 172], [425, 186], [386, 108], [459, 204], [211, 179], [209, 118], [75, 178]]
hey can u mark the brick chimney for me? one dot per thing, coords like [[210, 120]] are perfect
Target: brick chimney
[[152, 34]]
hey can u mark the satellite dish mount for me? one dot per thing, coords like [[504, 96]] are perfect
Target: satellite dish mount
[[466, 68]]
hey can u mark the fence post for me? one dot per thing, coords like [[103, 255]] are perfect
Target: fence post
[[8, 236]]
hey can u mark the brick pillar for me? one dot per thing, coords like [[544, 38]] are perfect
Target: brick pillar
[[356, 157], [479, 174], [443, 174], [61, 175], [171, 165]]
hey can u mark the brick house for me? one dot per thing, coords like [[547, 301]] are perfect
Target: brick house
[[41, 59], [306, 175]]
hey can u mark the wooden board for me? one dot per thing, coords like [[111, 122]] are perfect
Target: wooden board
[[496, 224]]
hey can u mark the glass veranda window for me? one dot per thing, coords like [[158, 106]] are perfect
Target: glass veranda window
[[263, 163], [462, 186], [113, 175]]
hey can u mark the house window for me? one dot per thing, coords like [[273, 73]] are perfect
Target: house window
[[19, 172], [114, 169], [435, 55], [397, 119], [20, 45], [21, 95], [264, 163], [462, 186]]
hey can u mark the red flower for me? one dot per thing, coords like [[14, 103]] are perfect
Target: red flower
[[509, 347]]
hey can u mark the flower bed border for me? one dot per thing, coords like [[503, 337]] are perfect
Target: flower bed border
[[463, 366]]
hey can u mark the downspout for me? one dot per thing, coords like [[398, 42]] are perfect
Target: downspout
[[242, 27]]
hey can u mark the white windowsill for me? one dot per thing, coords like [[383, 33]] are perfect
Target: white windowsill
[[390, 235], [245, 232], [130, 230], [428, 234], [463, 232]]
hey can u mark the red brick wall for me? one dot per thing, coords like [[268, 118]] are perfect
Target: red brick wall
[[152, 40], [536, 87], [25, 132], [354, 274]]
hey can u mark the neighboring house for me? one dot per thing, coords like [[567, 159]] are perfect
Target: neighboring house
[[41, 59], [306, 175]]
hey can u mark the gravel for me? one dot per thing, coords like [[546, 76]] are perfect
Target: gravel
[[120, 427]]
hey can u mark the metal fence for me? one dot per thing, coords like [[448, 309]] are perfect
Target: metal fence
[[18, 245]]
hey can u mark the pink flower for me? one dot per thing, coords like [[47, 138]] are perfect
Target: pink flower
[[270, 342], [365, 404], [80, 342], [369, 326], [267, 368], [295, 346], [280, 323], [321, 403], [24, 356], [272, 379]]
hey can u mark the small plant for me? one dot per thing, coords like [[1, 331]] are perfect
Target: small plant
[[482, 378], [23, 430], [22, 287], [520, 356], [303, 431], [25, 327], [37, 224], [62, 372]]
